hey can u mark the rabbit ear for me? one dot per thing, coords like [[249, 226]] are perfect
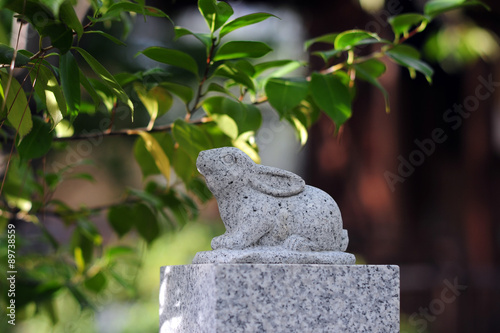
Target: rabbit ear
[[276, 182]]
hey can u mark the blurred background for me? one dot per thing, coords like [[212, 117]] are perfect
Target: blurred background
[[418, 187]]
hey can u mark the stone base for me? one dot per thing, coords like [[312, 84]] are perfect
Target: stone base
[[217, 298], [273, 256]]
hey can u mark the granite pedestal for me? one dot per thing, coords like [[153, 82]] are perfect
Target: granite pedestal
[[220, 298]]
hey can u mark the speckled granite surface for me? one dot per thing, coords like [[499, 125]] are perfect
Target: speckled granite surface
[[217, 298]]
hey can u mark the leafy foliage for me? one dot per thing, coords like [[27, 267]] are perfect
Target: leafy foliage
[[220, 109]]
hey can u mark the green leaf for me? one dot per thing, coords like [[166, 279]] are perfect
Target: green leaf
[[435, 7], [332, 96], [119, 217], [68, 16], [327, 55], [16, 109], [401, 24], [242, 117], [145, 222], [6, 54], [116, 9], [351, 38], [108, 80], [60, 35], [118, 251], [185, 93], [96, 283], [231, 71], [206, 39], [242, 49], [328, 39], [283, 67], [158, 154], [244, 21], [108, 36], [156, 100], [216, 13], [372, 67], [68, 71], [38, 141], [370, 73], [49, 91], [408, 56], [285, 94], [89, 88], [172, 57], [190, 138]]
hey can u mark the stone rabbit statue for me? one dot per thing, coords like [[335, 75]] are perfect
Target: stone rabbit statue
[[263, 206]]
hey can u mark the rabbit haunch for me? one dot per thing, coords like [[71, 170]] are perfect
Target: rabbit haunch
[[266, 206]]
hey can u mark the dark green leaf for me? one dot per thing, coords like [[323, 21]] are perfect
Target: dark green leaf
[[216, 13], [200, 189], [107, 79], [120, 219], [328, 39], [332, 96], [242, 49], [244, 21], [68, 70], [327, 55], [351, 38], [370, 74], [190, 138], [242, 117], [185, 93], [231, 71], [38, 141], [116, 9], [89, 88], [68, 16], [16, 109], [373, 67], [145, 222], [106, 35], [408, 56], [96, 283], [204, 38], [60, 35], [49, 91], [285, 94], [401, 24], [435, 7], [172, 57], [6, 54]]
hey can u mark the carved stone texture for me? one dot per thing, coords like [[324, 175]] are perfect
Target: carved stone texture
[[270, 215]]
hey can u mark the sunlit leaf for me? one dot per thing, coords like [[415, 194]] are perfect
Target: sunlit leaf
[[401, 24], [156, 100], [370, 73], [16, 106], [49, 91], [243, 21], [190, 138], [154, 148], [351, 38], [216, 13], [234, 118], [231, 71], [242, 49]]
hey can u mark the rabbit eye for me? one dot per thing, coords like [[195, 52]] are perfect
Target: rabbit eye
[[228, 159]]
